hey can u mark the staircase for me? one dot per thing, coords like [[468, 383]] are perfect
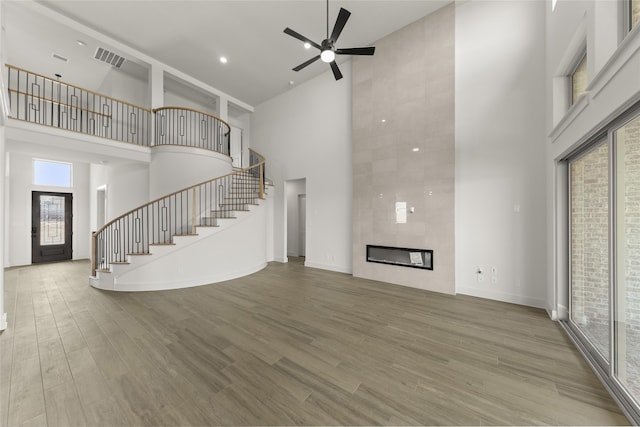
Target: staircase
[[206, 233]]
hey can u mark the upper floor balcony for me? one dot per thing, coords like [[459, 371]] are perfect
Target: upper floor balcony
[[41, 100]]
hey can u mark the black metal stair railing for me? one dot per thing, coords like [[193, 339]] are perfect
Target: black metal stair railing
[[192, 128], [179, 213], [39, 99]]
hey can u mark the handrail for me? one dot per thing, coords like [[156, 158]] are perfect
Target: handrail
[[36, 98], [155, 110], [178, 213], [193, 128], [62, 104], [13, 67], [40, 99]]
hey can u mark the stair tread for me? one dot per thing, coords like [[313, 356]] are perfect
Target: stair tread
[[137, 253], [185, 234], [161, 244]]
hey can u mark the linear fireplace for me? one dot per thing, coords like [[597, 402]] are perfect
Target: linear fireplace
[[404, 257]]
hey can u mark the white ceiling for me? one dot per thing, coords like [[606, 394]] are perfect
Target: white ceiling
[[191, 35]]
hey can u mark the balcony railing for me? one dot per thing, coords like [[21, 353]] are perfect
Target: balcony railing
[[187, 127], [42, 100]]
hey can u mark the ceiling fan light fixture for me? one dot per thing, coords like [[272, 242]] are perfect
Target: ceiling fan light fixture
[[327, 48], [328, 56]]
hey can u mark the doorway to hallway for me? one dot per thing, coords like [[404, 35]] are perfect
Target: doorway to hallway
[[296, 206]]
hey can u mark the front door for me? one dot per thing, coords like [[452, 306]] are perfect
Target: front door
[[51, 217]]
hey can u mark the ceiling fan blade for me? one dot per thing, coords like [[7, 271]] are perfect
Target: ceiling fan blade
[[343, 17], [336, 71], [304, 64], [301, 38], [356, 51]]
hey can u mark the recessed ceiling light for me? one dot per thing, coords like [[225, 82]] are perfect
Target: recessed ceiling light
[[384, 120], [291, 82], [80, 43], [415, 149], [223, 59], [307, 45]]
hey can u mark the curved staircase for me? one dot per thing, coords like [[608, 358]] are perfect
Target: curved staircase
[[206, 233]]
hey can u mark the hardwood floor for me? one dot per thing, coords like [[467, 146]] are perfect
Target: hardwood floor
[[288, 345]]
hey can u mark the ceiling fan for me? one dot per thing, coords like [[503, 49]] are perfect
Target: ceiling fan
[[327, 48]]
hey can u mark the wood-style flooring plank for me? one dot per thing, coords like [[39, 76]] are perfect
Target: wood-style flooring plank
[[63, 406]]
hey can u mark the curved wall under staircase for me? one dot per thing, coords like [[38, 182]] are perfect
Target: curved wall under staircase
[[236, 248], [174, 167]]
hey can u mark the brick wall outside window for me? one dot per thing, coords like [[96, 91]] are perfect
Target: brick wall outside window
[[628, 234], [590, 245]]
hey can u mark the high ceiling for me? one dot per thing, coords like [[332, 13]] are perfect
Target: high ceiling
[[191, 35]]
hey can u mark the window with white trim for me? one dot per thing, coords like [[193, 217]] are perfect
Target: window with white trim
[[52, 173], [579, 79]]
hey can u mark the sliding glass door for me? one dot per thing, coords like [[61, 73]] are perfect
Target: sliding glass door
[[604, 255], [627, 248], [590, 300]]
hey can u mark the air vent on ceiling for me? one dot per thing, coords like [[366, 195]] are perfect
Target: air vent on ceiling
[[60, 57], [104, 55]]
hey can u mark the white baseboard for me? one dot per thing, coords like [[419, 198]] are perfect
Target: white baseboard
[[190, 283], [330, 267], [502, 296]]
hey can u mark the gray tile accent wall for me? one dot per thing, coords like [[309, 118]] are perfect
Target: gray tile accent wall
[[403, 98]]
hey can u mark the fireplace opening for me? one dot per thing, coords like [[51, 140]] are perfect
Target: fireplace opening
[[404, 257]]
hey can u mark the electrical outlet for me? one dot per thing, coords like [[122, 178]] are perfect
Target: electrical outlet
[[480, 277], [494, 279]]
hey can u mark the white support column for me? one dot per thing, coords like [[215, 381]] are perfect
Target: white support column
[[224, 108], [156, 81]]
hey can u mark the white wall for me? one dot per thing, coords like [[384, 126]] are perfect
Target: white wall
[[293, 189], [173, 99], [125, 87], [500, 146], [243, 122], [174, 167], [306, 132], [127, 188], [20, 188], [613, 86]]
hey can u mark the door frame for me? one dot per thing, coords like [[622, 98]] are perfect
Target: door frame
[[36, 256]]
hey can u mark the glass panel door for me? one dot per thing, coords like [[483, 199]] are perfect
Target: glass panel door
[[627, 316], [589, 227], [51, 232]]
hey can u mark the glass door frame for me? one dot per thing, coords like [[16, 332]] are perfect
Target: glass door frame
[[63, 251], [605, 370], [594, 142], [619, 123]]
